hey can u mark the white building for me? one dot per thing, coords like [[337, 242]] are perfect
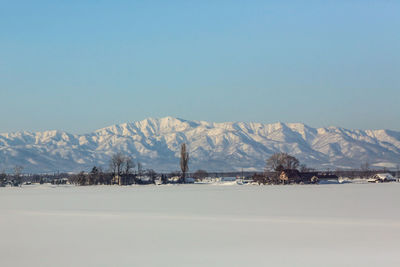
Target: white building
[[381, 177]]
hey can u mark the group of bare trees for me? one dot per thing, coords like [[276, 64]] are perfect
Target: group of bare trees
[[15, 179], [3, 179], [122, 171], [281, 161], [95, 177], [274, 165], [121, 167], [365, 170]]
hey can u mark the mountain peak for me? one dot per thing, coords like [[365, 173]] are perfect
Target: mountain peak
[[155, 142]]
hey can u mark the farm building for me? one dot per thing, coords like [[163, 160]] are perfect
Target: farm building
[[381, 177], [295, 176]]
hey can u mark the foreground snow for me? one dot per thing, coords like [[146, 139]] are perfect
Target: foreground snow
[[201, 225]]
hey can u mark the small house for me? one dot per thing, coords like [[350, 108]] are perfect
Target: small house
[[381, 177], [294, 176], [116, 180], [290, 176], [327, 177]]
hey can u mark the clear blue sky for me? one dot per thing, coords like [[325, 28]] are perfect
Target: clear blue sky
[[82, 65]]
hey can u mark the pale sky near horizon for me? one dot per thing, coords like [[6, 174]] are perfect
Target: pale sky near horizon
[[82, 65]]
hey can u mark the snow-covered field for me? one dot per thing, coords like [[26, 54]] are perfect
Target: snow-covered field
[[201, 225]]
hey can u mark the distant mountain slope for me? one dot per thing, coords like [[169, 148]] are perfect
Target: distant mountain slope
[[212, 146]]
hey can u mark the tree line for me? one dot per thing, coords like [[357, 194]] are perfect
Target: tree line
[[123, 170]]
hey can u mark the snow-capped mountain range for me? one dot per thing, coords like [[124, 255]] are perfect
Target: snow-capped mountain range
[[212, 146]]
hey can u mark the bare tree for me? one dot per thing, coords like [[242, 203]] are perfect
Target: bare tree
[[291, 162], [184, 162], [280, 161], [152, 174], [117, 162], [3, 178], [365, 169], [139, 169], [81, 178], [93, 176], [17, 174], [129, 165]]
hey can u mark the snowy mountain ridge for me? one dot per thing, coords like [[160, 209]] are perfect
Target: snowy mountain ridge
[[212, 146]]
